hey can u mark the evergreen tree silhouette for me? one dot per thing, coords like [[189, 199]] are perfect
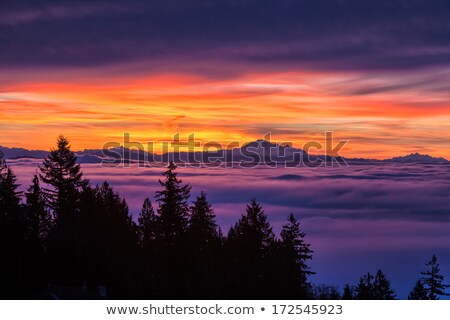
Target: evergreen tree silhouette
[[364, 290], [64, 185], [250, 244], [433, 280], [382, 287], [418, 292], [254, 229], [348, 293], [107, 242], [376, 287], [203, 229], [147, 225], [325, 292], [40, 226], [40, 219], [9, 196], [173, 211], [65, 179], [172, 222], [296, 253], [205, 242], [12, 236]]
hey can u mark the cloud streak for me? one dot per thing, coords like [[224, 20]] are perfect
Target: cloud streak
[[343, 35]]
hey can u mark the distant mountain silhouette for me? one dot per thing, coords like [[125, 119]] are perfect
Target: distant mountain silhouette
[[89, 158], [417, 158], [85, 156], [267, 150], [259, 150], [14, 153]]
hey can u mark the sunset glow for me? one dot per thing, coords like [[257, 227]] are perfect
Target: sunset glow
[[294, 106], [374, 74]]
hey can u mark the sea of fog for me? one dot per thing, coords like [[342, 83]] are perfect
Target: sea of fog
[[358, 218]]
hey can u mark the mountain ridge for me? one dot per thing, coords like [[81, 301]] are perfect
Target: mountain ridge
[[250, 150]]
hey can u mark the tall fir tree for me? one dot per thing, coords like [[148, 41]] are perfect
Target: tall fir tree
[[172, 224], [433, 280], [204, 239], [40, 225], [203, 229], [376, 287], [348, 293], [418, 292], [9, 196], [64, 177], [14, 273], [296, 254], [250, 244], [173, 211], [12, 225], [382, 287], [147, 228], [64, 185], [364, 289], [254, 230], [107, 242], [147, 225], [40, 219]]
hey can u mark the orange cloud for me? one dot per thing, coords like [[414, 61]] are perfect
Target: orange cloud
[[295, 107]]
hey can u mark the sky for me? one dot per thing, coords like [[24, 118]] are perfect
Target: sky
[[376, 73]]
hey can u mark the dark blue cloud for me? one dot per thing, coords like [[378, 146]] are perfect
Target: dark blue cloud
[[181, 35]]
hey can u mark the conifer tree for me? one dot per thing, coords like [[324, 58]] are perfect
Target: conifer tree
[[147, 225], [39, 217], [433, 280], [12, 220], [382, 287], [65, 180], [325, 292], [204, 241], [348, 293], [418, 292], [39, 227], [173, 211], [296, 252], [14, 252], [376, 287], [106, 243], [251, 243], [254, 230], [64, 185], [172, 224], [9, 196], [203, 229], [364, 290]]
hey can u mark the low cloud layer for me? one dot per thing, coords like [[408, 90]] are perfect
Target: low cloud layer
[[358, 219]]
